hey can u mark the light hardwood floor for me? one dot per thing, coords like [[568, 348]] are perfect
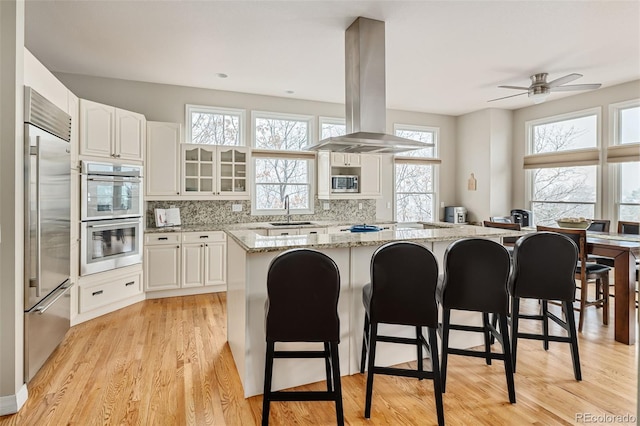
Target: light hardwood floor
[[166, 362]]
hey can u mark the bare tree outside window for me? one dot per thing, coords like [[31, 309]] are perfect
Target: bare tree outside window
[[215, 129], [564, 191], [277, 177], [330, 130], [629, 192], [415, 193]]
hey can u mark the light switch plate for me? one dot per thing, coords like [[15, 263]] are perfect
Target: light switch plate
[[325, 206], [359, 206], [236, 207]]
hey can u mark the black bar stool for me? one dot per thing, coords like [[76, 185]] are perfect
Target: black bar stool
[[302, 306], [404, 276], [543, 268], [475, 278]]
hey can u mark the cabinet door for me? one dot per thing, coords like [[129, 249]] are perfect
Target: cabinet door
[[215, 263], [323, 174], [233, 164], [130, 131], [97, 126], [162, 267], [342, 159], [162, 177], [370, 174], [193, 264], [198, 170]]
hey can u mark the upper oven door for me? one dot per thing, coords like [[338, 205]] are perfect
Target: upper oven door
[[108, 196]]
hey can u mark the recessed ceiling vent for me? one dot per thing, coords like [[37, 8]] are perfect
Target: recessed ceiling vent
[[366, 106]]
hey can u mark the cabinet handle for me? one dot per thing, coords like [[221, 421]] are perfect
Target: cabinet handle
[[163, 238], [129, 283], [284, 233], [313, 232], [177, 246], [204, 236], [97, 293], [177, 193]]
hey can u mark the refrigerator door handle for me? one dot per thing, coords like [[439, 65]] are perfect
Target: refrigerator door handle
[[40, 309], [35, 281]]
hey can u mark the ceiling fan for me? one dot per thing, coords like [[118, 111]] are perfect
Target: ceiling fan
[[540, 89]]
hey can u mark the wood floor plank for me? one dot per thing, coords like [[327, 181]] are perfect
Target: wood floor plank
[[167, 362]]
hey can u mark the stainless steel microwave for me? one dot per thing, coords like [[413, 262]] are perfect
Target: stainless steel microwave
[[344, 183]]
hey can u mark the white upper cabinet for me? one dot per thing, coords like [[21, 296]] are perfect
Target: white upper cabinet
[[161, 160], [107, 131], [370, 184], [343, 159], [215, 171]]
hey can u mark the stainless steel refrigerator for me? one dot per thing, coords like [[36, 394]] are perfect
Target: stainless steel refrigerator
[[47, 282]]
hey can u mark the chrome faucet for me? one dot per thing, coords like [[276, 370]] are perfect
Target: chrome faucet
[[286, 206]]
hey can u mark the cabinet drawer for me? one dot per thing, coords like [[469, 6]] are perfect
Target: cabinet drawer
[[309, 231], [203, 237], [163, 238], [109, 291]]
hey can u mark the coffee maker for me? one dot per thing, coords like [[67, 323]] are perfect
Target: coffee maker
[[523, 217], [455, 214]]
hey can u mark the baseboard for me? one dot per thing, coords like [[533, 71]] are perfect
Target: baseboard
[[95, 313], [190, 291], [11, 404]]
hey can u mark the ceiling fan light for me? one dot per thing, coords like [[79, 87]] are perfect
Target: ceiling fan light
[[539, 98]]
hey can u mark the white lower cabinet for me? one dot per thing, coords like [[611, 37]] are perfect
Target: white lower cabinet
[[162, 261], [286, 231], [185, 260], [99, 290]]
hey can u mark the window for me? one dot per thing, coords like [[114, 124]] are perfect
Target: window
[[415, 176], [214, 126], [563, 166], [625, 150], [281, 166], [331, 127]]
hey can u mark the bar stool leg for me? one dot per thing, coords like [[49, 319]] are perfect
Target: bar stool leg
[[575, 357], [268, 370], [545, 324], [373, 335], [487, 337], [446, 321], [515, 314], [435, 368], [419, 339], [328, 367], [365, 342], [508, 360], [335, 363]]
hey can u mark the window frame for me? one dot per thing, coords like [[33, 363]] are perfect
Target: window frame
[[191, 108], [567, 158], [264, 153], [330, 120], [434, 162]]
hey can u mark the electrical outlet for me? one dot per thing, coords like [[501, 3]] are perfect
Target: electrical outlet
[[325, 206], [172, 206], [442, 204], [236, 207], [359, 206]]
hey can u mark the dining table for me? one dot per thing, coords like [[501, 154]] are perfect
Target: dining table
[[624, 249]]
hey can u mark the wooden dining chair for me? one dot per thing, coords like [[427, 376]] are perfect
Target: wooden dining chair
[[599, 225], [586, 271], [628, 227]]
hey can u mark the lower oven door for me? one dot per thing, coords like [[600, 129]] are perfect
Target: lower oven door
[[110, 244]]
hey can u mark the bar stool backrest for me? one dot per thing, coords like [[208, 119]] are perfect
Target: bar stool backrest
[[404, 276], [544, 265], [476, 272], [303, 286]]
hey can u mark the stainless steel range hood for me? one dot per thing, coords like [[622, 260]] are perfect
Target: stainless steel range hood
[[366, 114]]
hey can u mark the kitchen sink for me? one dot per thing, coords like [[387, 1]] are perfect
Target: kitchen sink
[[289, 223]]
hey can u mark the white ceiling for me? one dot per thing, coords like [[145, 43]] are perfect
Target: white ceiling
[[444, 57]]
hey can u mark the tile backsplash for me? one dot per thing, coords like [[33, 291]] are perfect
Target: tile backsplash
[[220, 212]]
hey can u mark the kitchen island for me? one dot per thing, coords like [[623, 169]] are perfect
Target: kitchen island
[[249, 256]]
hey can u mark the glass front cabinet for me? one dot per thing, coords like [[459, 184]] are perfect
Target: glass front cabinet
[[215, 170]]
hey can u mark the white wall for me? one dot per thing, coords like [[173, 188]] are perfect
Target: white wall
[[12, 389], [597, 98], [161, 102]]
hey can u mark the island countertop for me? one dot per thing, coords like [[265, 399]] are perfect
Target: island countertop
[[254, 243]]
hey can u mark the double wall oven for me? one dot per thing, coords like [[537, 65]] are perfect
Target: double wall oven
[[111, 212]]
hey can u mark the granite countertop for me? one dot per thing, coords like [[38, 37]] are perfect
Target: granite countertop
[[254, 243], [207, 227]]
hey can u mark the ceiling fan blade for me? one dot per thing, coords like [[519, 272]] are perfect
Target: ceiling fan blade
[[514, 87], [562, 80], [506, 97], [575, 87]]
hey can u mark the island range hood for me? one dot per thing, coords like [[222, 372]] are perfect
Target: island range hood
[[366, 114]]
